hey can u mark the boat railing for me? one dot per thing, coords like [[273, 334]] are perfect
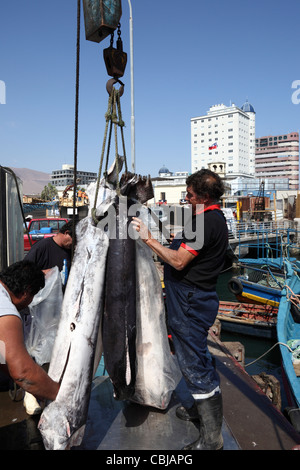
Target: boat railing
[[251, 228], [263, 276], [272, 238]]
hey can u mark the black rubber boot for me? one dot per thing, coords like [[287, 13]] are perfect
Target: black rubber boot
[[210, 411], [188, 414]]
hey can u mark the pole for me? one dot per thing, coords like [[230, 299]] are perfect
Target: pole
[[132, 90]]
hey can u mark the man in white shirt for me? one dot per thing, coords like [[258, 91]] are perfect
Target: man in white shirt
[[18, 285]]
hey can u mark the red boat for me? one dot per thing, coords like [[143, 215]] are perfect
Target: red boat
[[248, 319]]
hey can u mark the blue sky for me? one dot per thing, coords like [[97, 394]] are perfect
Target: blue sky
[[188, 56]]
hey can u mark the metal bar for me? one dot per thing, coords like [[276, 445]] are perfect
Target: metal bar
[[132, 90]]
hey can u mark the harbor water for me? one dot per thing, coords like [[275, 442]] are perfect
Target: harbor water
[[255, 348]]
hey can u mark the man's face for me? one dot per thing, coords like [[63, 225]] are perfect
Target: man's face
[[23, 300], [193, 199], [67, 240]]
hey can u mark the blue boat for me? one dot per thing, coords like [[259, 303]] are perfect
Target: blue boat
[[288, 334], [261, 282], [263, 277]]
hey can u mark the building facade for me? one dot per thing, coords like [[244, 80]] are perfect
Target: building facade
[[225, 134], [278, 157], [65, 177], [169, 187]]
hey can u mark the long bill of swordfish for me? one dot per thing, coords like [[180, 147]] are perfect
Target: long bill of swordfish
[[73, 358]]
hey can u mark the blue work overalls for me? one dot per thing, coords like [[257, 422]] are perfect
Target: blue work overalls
[[191, 312]]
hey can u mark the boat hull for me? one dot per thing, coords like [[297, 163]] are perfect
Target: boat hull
[[247, 291], [248, 319], [288, 329]]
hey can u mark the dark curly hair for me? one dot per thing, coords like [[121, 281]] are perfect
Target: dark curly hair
[[206, 182], [67, 227], [23, 276]]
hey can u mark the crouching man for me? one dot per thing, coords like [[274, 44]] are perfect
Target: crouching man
[[19, 283]]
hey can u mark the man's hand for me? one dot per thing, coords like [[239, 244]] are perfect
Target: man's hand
[[141, 228]]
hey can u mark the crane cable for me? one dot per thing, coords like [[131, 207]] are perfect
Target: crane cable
[[76, 124]]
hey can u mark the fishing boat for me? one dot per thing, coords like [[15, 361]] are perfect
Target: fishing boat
[[248, 319], [263, 277], [288, 333], [261, 281]]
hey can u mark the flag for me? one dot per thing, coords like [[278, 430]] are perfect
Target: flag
[[214, 146]]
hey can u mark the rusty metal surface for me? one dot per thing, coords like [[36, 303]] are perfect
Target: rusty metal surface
[[254, 421], [115, 62], [101, 18]]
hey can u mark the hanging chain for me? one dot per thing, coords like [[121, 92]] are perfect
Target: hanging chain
[[112, 39], [119, 40]]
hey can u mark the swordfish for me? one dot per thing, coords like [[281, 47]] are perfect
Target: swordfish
[[78, 348], [119, 343], [80, 340]]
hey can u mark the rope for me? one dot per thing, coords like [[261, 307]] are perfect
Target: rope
[[115, 121], [76, 124], [122, 124], [108, 119], [291, 296], [283, 344], [113, 117]]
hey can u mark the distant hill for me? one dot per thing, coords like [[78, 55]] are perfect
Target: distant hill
[[33, 181]]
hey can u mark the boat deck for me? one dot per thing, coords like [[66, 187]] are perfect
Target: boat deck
[[121, 426], [250, 421]]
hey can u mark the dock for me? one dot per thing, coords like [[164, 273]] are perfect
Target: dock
[[250, 420]]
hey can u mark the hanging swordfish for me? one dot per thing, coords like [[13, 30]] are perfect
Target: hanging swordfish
[[119, 344], [107, 285]]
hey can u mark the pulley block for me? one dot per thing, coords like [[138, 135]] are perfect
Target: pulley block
[[115, 58]]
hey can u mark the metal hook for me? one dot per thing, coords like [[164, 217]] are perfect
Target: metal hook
[[110, 84]]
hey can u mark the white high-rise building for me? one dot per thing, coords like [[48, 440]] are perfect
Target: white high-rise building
[[224, 136]]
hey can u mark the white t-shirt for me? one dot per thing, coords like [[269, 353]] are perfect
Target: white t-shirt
[[6, 305]]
